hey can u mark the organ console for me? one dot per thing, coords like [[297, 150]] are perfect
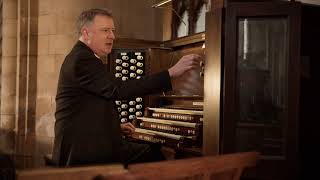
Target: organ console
[[173, 119]]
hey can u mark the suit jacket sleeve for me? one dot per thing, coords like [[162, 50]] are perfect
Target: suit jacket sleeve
[[93, 77]]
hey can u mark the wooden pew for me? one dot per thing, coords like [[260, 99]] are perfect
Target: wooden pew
[[74, 173], [221, 167]]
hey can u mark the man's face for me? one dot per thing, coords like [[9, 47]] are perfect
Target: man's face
[[101, 35]]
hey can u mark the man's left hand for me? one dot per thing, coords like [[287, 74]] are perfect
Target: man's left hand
[[127, 128]]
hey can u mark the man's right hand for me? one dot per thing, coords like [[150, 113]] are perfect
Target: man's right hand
[[185, 64]]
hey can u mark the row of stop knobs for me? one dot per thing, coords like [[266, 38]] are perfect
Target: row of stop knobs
[[129, 110], [129, 65]]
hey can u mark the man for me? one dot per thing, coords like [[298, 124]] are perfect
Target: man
[[87, 130]]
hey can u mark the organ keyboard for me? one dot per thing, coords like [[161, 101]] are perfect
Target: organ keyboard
[[176, 128]]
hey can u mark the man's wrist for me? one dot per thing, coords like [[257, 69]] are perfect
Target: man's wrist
[[171, 73]]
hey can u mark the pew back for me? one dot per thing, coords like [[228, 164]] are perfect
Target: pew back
[[221, 167], [74, 173]]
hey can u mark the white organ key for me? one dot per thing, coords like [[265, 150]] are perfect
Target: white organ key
[[125, 57], [139, 64], [123, 120], [139, 71], [118, 61], [133, 68], [125, 71], [118, 75], [138, 113], [125, 64], [138, 106], [118, 68], [140, 57], [124, 78], [133, 75], [132, 116], [118, 102], [133, 61], [132, 110], [124, 113], [139, 99], [132, 103], [124, 106]]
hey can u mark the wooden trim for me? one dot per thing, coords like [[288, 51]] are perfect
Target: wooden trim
[[212, 83], [168, 122], [134, 43], [217, 4], [229, 59], [177, 111], [293, 89], [187, 40]]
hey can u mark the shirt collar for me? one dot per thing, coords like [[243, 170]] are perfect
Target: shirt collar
[[97, 56]]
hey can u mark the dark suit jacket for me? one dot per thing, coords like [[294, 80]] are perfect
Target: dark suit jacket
[[87, 129]]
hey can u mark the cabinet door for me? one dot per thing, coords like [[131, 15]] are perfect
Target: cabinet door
[[261, 84]]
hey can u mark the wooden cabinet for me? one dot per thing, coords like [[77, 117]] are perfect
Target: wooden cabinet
[[260, 59]]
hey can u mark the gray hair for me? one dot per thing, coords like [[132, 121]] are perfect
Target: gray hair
[[88, 16]]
